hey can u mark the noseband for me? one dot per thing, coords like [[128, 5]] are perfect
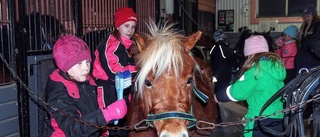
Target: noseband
[[173, 114]]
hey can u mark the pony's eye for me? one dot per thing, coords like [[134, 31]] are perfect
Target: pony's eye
[[190, 81], [147, 82]]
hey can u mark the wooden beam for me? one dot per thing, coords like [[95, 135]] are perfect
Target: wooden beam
[[207, 6], [255, 20]]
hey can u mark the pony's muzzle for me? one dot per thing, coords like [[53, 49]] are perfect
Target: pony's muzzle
[[182, 133]]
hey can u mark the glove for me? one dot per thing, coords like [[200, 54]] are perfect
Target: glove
[[116, 110]]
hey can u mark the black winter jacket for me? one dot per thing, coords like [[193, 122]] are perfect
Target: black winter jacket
[[79, 100], [305, 58]]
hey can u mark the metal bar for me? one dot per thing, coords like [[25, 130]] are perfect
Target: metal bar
[[78, 17]]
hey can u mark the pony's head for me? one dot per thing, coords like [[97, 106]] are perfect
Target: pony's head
[[165, 79]]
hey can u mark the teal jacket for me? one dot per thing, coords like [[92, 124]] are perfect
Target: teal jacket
[[256, 86]]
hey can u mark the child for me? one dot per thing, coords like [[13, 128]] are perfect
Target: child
[[288, 51], [279, 42], [113, 55], [71, 90], [262, 76], [222, 59]]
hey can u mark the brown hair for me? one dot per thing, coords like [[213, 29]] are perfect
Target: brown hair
[[117, 34], [305, 28], [255, 58]]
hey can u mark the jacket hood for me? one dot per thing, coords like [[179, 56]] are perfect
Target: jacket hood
[[277, 70]]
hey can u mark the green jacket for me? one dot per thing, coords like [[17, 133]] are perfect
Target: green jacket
[[257, 89]]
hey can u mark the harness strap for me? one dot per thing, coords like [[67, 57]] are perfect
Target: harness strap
[[203, 97], [176, 114], [170, 115], [295, 92]]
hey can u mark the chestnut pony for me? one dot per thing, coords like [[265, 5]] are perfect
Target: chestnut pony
[[172, 86]]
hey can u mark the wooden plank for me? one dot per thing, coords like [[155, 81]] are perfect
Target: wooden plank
[[207, 5]]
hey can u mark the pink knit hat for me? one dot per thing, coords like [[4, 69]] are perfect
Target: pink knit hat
[[70, 50], [124, 15], [255, 44]]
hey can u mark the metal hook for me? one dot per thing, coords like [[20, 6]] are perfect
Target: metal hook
[[305, 69], [209, 125], [139, 126]]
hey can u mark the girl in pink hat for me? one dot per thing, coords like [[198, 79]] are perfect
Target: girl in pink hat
[[260, 78], [72, 92], [113, 55]]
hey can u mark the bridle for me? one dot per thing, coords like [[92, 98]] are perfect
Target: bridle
[[174, 114]]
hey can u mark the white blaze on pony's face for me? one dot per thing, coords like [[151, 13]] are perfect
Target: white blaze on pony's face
[[165, 77]]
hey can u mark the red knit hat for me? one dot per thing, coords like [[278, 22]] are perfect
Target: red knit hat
[[70, 50], [123, 15]]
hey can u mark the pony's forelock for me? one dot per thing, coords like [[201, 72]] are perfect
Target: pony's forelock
[[163, 55]]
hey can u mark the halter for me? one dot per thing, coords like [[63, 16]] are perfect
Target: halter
[[170, 115], [174, 114]]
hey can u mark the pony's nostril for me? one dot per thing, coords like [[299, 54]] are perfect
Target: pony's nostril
[[184, 134], [179, 134], [164, 134]]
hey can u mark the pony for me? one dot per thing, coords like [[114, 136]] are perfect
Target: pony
[[174, 94], [206, 42], [196, 52], [168, 84]]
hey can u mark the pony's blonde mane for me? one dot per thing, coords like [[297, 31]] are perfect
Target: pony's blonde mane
[[163, 54]]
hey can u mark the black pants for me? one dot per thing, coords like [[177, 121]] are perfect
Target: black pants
[[275, 124]]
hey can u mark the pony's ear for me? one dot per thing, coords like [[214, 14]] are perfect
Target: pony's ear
[[191, 41], [139, 41]]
